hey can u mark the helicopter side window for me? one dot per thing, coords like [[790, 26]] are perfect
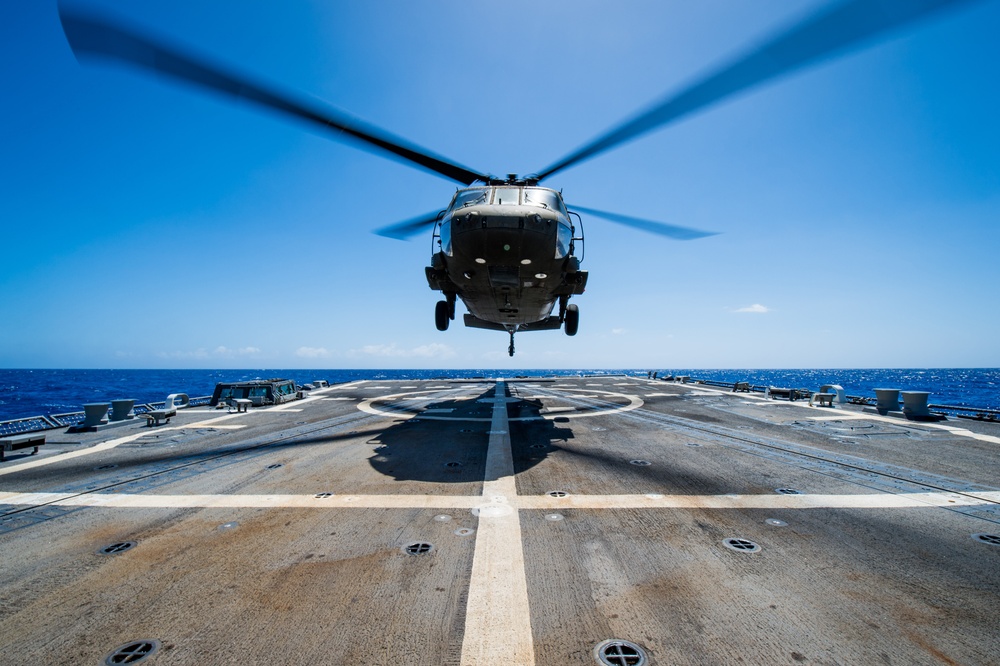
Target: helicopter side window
[[564, 237], [506, 196], [446, 237]]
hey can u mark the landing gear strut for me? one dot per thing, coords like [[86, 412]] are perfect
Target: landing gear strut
[[510, 350]]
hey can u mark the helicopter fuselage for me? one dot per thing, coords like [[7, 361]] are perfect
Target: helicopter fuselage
[[508, 251]]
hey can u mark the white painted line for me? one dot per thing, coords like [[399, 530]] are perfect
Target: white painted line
[[497, 617], [504, 505]]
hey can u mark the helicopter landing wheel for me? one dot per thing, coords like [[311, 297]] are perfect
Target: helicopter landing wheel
[[510, 350], [572, 319], [441, 315]]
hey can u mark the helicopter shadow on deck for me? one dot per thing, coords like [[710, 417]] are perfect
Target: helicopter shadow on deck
[[453, 450]]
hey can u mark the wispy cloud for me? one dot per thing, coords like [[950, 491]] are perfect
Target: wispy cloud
[[219, 352], [618, 331], [394, 351], [231, 353], [755, 308], [312, 352]]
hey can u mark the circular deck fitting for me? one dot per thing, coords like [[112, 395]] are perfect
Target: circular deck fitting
[[774, 522], [464, 531], [741, 545], [418, 548], [991, 539], [787, 491], [322, 495], [693, 444], [133, 653], [274, 466], [557, 493], [101, 468], [553, 517], [453, 464], [229, 526], [619, 653], [640, 463], [442, 518], [117, 547]]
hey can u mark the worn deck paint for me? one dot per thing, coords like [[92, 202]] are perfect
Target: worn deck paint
[[278, 535]]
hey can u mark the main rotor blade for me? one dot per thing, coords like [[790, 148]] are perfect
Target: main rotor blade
[[834, 29], [411, 227], [668, 230], [93, 35]]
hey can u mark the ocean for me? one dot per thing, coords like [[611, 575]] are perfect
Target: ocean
[[43, 391]]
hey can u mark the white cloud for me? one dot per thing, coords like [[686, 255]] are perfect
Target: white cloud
[[312, 352], [756, 308], [435, 350], [219, 352], [230, 353], [618, 331]]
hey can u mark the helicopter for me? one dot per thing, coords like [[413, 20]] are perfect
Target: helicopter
[[508, 247]]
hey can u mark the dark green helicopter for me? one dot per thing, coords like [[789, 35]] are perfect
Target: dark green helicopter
[[509, 248]]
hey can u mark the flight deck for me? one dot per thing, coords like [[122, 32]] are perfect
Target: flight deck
[[589, 520]]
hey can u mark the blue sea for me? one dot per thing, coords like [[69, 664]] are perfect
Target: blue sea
[[44, 391]]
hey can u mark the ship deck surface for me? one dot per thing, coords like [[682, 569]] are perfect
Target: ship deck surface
[[555, 514]]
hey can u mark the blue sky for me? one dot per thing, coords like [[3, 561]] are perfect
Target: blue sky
[[146, 224]]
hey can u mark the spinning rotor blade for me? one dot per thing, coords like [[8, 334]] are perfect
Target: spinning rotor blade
[[92, 35], [411, 227], [668, 230], [834, 29]]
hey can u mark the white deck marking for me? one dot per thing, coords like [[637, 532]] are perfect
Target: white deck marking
[[505, 505], [497, 618]]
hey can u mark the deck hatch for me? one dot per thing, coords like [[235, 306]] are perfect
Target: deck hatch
[[991, 539], [787, 491], [619, 653], [134, 652]]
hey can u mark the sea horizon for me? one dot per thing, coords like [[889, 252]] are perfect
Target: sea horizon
[[26, 392]]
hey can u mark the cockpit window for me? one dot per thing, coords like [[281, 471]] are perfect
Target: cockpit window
[[506, 196], [470, 197], [545, 198]]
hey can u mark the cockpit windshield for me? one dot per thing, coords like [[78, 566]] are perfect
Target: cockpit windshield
[[548, 199], [470, 197], [506, 196]]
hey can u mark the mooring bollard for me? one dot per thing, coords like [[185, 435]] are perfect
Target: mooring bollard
[[120, 409], [888, 400], [95, 414], [915, 403]]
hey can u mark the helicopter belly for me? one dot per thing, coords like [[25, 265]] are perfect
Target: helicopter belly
[[505, 270]]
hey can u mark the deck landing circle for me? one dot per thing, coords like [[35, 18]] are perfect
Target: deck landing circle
[[372, 406]]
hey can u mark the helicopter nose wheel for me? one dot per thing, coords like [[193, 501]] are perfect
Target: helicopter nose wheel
[[442, 315], [510, 350]]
